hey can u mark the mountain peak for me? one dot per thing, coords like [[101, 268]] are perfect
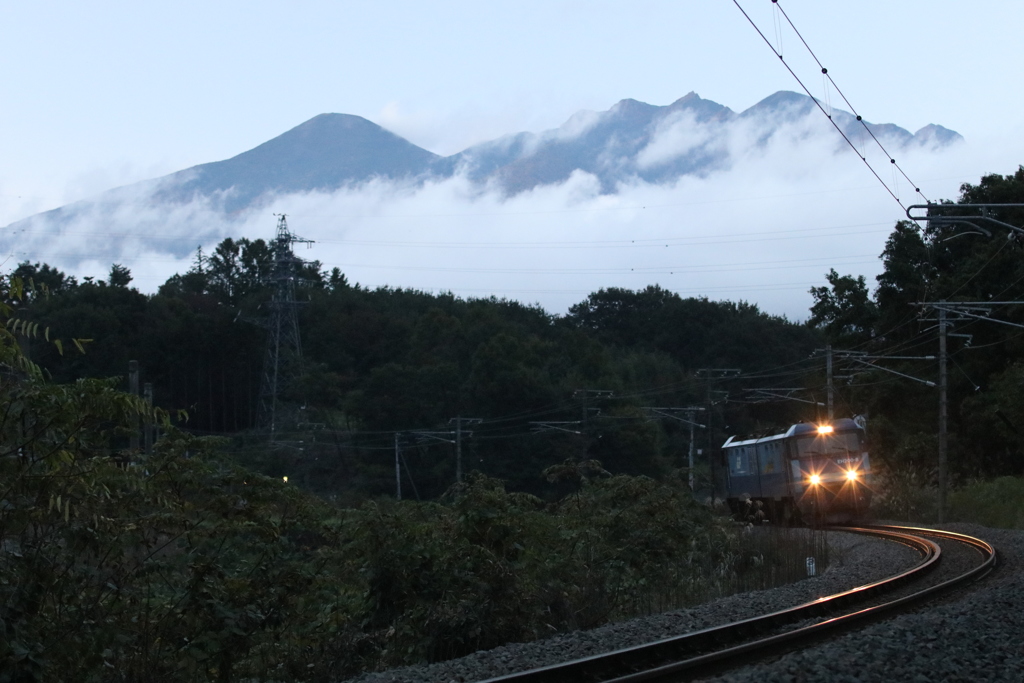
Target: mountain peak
[[703, 109], [783, 99], [685, 100], [331, 122], [632, 141], [630, 108], [934, 135], [324, 153]]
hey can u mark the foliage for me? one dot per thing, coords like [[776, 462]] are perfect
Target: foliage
[[393, 360], [994, 503], [170, 566], [951, 261], [120, 276], [844, 309], [181, 565], [704, 333], [905, 279], [487, 566], [906, 493], [177, 565]]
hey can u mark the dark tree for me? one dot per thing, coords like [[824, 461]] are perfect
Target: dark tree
[[120, 276], [844, 310]]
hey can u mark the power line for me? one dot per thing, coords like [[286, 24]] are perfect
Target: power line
[[825, 73], [648, 270], [828, 114]]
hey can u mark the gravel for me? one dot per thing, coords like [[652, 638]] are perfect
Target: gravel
[[975, 635], [856, 560]]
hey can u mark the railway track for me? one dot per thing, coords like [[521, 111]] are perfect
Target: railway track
[[948, 561]]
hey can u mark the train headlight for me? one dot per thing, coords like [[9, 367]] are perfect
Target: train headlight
[[824, 429], [851, 475], [815, 480]]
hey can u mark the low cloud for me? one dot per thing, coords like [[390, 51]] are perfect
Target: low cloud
[[763, 229], [680, 134]]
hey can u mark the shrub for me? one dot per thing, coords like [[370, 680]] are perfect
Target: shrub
[[995, 503]]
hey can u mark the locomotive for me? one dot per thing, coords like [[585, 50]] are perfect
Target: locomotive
[[810, 473]]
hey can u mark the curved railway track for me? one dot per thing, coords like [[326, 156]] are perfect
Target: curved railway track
[[709, 651]]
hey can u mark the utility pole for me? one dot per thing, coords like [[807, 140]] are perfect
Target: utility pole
[[585, 394], [148, 427], [942, 413], [133, 389], [398, 470], [829, 379], [284, 348], [828, 374], [711, 374], [422, 436], [963, 309], [459, 421], [689, 457], [691, 415]]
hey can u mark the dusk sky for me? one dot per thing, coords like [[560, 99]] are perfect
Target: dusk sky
[[98, 95]]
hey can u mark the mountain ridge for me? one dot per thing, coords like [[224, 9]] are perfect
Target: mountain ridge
[[632, 140]]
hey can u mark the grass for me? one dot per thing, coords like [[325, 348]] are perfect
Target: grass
[[997, 503], [764, 557], [907, 497]]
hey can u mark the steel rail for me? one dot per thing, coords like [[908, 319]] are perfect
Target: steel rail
[[700, 652]]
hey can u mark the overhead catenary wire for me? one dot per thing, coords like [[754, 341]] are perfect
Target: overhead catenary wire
[[512, 426], [892, 191], [490, 428], [774, 264], [980, 269], [860, 119]]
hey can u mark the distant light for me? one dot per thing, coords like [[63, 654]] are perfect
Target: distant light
[[825, 429], [851, 475], [285, 479], [815, 480]]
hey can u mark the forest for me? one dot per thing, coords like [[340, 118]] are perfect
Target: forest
[[381, 365], [224, 552], [384, 365]]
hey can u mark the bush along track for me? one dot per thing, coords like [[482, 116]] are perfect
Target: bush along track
[[178, 565]]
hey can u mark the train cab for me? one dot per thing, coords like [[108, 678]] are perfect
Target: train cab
[[830, 470], [810, 472]]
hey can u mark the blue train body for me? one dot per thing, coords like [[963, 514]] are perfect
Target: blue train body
[[810, 473]]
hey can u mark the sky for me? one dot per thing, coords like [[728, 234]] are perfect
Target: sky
[[103, 94]]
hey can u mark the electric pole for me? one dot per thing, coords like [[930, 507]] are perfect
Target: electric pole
[[459, 421], [585, 394], [147, 426], [133, 389], [690, 419], [963, 309], [828, 374], [711, 374], [829, 379], [942, 413], [398, 470]]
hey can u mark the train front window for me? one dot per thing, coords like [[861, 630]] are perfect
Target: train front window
[[829, 445]]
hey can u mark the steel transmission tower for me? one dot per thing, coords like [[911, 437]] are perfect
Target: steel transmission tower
[[282, 360]]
